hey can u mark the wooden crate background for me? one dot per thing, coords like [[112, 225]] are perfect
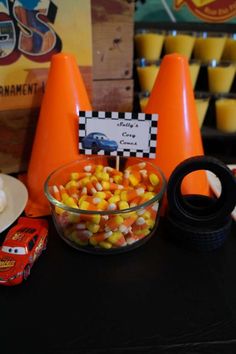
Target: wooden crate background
[[112, 85], [113, 28]]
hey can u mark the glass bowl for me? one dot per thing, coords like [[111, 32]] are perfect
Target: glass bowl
[[101, 210]]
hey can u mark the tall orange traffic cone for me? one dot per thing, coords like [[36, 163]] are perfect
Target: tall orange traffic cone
[[56, 138], [179, 134]]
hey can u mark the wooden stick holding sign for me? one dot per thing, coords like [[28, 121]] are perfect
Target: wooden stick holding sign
[[117, 163], [118, 134]]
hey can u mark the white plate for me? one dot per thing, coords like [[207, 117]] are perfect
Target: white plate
[[17, 197], [216, 186]]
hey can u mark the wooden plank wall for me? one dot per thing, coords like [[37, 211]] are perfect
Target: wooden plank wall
[[112, 88], [113, 28]]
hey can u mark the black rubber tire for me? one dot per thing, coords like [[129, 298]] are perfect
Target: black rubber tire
[[208, 214], [199, 238]]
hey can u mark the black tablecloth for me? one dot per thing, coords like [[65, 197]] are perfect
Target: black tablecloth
[[159, 298]]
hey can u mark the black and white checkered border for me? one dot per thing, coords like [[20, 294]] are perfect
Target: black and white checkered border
[[84, 115]]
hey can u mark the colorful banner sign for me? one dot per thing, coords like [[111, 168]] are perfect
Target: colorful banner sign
[[210, 10], [31, 31], [186, 11]]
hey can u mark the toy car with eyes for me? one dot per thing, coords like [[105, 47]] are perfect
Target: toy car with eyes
[[21, 248], [99, 141]]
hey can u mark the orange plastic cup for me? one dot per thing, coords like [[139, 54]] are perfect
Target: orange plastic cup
[[180, 42], [147, 71], [209, 46], [143, 100], [202, 100], [149, 43], [229, 52], [194, 67], [226, 114], [220, 76]]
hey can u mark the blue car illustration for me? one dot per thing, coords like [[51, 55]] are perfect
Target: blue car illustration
[[99, 141]]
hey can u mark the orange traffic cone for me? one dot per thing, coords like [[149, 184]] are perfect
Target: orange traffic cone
[[179, 134], [56, 138]]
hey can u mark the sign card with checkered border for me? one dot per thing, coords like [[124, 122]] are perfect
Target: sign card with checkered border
[[118, 134]]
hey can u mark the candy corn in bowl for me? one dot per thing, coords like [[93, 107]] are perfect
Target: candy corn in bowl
[[100, 208]]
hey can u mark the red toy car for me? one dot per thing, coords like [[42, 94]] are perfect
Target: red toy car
[[22, 246]]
